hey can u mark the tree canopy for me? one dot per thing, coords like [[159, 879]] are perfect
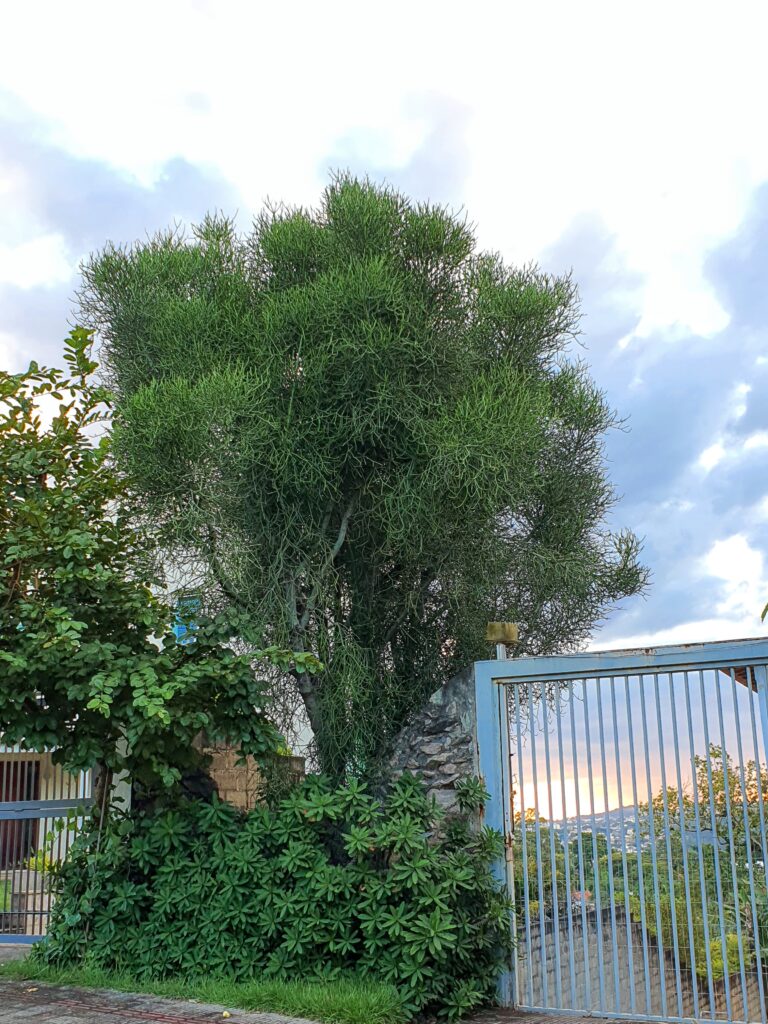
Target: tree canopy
[[90, 665], [370, 435]]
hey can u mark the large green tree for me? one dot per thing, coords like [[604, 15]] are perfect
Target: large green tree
[[369, 434], [89, 663]]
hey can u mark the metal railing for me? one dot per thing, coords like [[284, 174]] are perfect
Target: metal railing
[[41, 811], [639, 798]]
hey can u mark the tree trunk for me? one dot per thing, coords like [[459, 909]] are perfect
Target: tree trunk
[[101, 791]]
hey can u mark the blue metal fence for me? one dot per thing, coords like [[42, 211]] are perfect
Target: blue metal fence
[[632, 787], [41, 810]]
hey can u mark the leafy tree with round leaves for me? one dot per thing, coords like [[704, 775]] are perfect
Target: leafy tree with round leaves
[[89, 662], [370, 435]]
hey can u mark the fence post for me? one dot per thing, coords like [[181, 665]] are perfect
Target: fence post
[[492, 737]]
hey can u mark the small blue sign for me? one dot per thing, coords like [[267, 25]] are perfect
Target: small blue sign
[[184, 626]]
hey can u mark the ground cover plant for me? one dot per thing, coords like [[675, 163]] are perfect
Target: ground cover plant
[[328, 882]]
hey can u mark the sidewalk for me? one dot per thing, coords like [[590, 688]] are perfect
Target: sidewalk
[[34, 1003], [38, 1003]]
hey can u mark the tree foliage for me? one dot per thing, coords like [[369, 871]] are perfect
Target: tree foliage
[[369, 434], [90, 666]]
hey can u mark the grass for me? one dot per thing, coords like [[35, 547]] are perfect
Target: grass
[[346, 1001]]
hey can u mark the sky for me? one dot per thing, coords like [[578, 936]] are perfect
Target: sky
[[619, 141]]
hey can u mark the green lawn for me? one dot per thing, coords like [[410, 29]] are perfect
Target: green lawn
[[347, 1001]]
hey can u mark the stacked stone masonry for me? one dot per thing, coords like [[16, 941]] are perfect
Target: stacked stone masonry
[[440, 743]]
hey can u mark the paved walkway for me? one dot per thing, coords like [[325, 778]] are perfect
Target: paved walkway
[[28, 1002], [33, 1003], [36, 1003]]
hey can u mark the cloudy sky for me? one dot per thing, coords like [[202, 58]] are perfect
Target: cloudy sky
[[624, 141]]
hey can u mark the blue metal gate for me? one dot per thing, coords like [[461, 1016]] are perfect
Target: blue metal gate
[[41, 809], [632, 787]]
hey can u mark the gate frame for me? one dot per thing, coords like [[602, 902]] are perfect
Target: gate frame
[[40, 810], [492, 731]]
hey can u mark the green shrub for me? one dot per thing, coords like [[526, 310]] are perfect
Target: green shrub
[[330, 881]]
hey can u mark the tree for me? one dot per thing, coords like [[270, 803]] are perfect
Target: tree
[[369, 435], [90, 665]]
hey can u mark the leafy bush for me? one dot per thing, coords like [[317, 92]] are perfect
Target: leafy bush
[[331, 880]]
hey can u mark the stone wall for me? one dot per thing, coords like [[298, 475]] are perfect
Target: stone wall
[[440, 743]]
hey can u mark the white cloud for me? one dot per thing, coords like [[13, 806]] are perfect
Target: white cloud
[[740, 570], [563, 116], [710, 457], [739, 403], [708, 630], [757, 440], [735, 573], [561, 119], [40, 261]]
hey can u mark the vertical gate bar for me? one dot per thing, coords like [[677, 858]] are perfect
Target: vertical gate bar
[[684, 850], [19, 832], [654, 862], [595, 864], [761, 685], [731, 845], [716, 849], [566, 856], [668, 845], [491, 748], [638, 848], [524, 839], [761, 761], [750, 853], [537, 830], [30, 828], [759, 773], [624, 867], [761, 679], [23, 827], [40, 897], [699, 851], [580, 852], [552, 855], [34, 842], [10, 844], [508, 987], [5, 892], [609, 844], [63, 839]]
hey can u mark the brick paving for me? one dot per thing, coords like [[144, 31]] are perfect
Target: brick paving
[[38, 1003], [34, 1003]]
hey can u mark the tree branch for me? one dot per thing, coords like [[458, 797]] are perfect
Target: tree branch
[[218, 573], [340, 538]]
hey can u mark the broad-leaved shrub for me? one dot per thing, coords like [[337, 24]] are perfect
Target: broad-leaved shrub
[[330, 880]]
